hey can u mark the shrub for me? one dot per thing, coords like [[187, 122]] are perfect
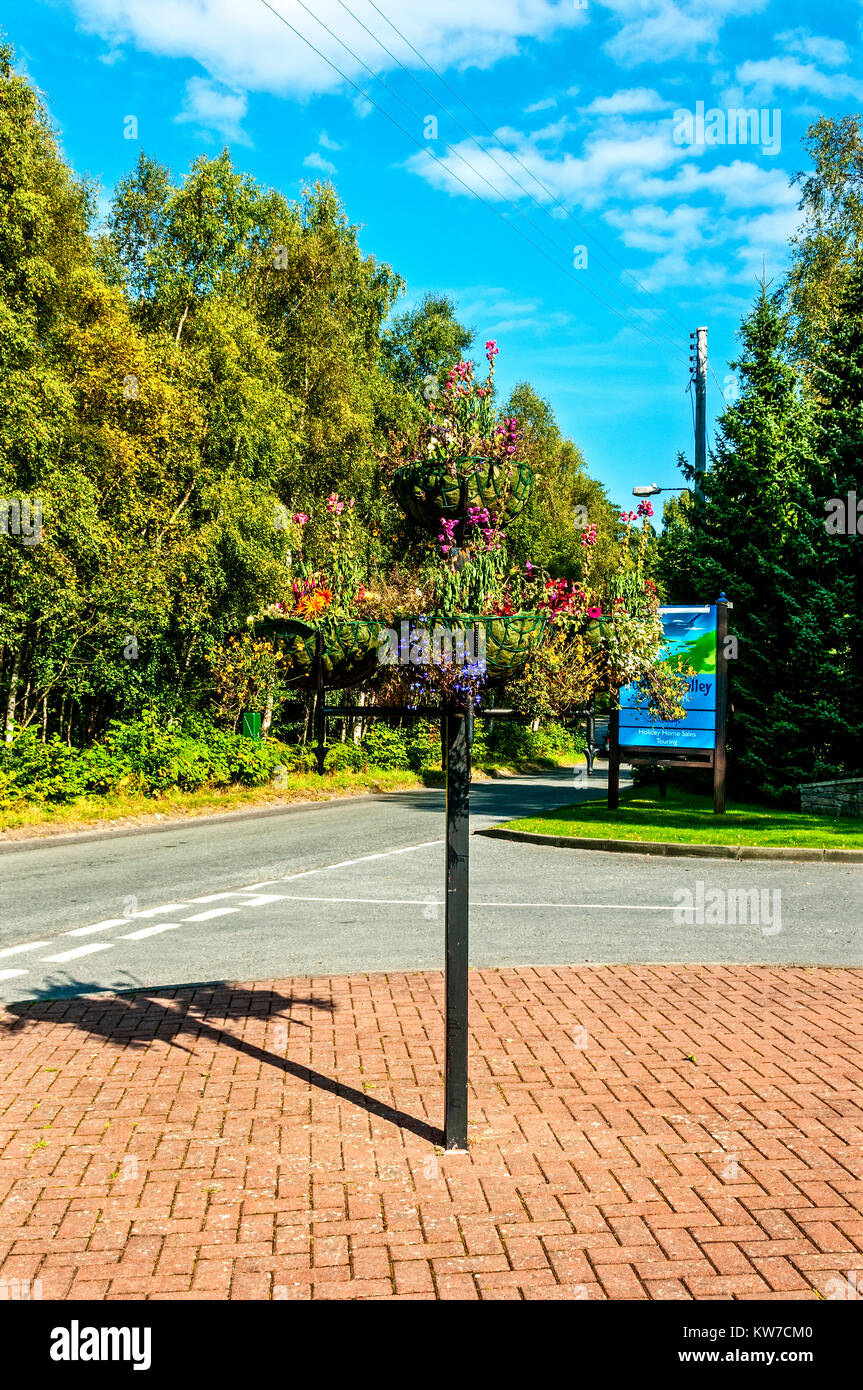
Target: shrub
[[345, 757], [386, 747], [143, 755]]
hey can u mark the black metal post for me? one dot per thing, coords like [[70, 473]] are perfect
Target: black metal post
[[458, 737], [591, 737], [614, 753], [320, 714]]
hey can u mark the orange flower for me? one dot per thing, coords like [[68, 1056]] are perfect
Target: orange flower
[[313, 604]]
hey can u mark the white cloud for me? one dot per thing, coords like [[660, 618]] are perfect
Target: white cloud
[[546, 105], [214, 108], [694, 216], [763, 78], [632, 101], [831, 52], [244, 44], [326, 143], [317, 161], [659, 30]]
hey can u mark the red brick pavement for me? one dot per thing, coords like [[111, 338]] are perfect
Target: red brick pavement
[[636, 1132]]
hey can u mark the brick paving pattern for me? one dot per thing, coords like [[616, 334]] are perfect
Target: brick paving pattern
[[636, 1133]]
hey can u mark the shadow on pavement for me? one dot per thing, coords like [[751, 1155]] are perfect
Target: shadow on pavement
[[168, 1012]]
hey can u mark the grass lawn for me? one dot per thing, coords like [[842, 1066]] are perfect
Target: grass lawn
[[686, 817]]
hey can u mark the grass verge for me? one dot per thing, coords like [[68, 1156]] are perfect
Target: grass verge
[[687, 818]]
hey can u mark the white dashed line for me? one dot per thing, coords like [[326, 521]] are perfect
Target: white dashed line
[[28, 946], [155, 911], [216, 912], [80, 951], [10, 974], [97, 926], [216, 897], [149, 931]]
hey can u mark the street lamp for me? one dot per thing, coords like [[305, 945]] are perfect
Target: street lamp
[[651, 489]]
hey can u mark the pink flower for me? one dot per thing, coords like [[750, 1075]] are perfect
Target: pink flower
[[300, 518], [594, 612]]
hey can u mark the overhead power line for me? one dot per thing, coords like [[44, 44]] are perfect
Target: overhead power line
[[452, 174], [672, 318], [487, 153]]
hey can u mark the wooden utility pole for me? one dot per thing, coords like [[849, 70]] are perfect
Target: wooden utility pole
[[699, 359]]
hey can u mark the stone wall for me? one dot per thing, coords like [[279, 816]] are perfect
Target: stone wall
[[840, 798]]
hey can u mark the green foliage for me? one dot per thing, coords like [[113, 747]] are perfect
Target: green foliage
[[219, 358], [565, 500], [144, 756], [830, 240], [760, 538]]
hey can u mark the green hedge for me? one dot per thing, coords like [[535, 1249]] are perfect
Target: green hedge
[[143, 756], [147, 756]]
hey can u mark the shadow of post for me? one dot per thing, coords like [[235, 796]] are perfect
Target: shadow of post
[[143, 1015]]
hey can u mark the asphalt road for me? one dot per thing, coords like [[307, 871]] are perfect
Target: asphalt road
[[355, 886]]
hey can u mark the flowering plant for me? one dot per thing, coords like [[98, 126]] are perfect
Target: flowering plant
[[325, 563], [463, 423]]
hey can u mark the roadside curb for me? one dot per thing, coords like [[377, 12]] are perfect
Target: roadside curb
[[674, 850], [103, 831]]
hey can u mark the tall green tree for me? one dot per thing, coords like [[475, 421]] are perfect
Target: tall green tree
[[759, 537], [829, 242], [565, 500], [839, 480]]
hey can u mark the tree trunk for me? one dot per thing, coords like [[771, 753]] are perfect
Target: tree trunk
[[267, 719], [11, 699]]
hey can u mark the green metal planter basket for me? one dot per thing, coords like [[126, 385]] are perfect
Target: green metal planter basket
[[592, 629], [427, 492], [508, 640], [349, 653]]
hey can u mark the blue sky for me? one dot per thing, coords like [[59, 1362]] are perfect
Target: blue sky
[[568, 114]]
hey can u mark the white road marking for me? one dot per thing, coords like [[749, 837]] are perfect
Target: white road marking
[[438, 902], [155, 911], [97, 926], [10, 974], [364, 859], [149, 931], [216, 897], [81, 951], [254, 901], [216, 912], [28, 946]]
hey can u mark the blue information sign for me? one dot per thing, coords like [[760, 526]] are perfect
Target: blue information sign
[[690, 633]]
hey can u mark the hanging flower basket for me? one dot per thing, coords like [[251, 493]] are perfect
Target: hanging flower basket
[[349, 649], [506, 641], [427, 492]]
